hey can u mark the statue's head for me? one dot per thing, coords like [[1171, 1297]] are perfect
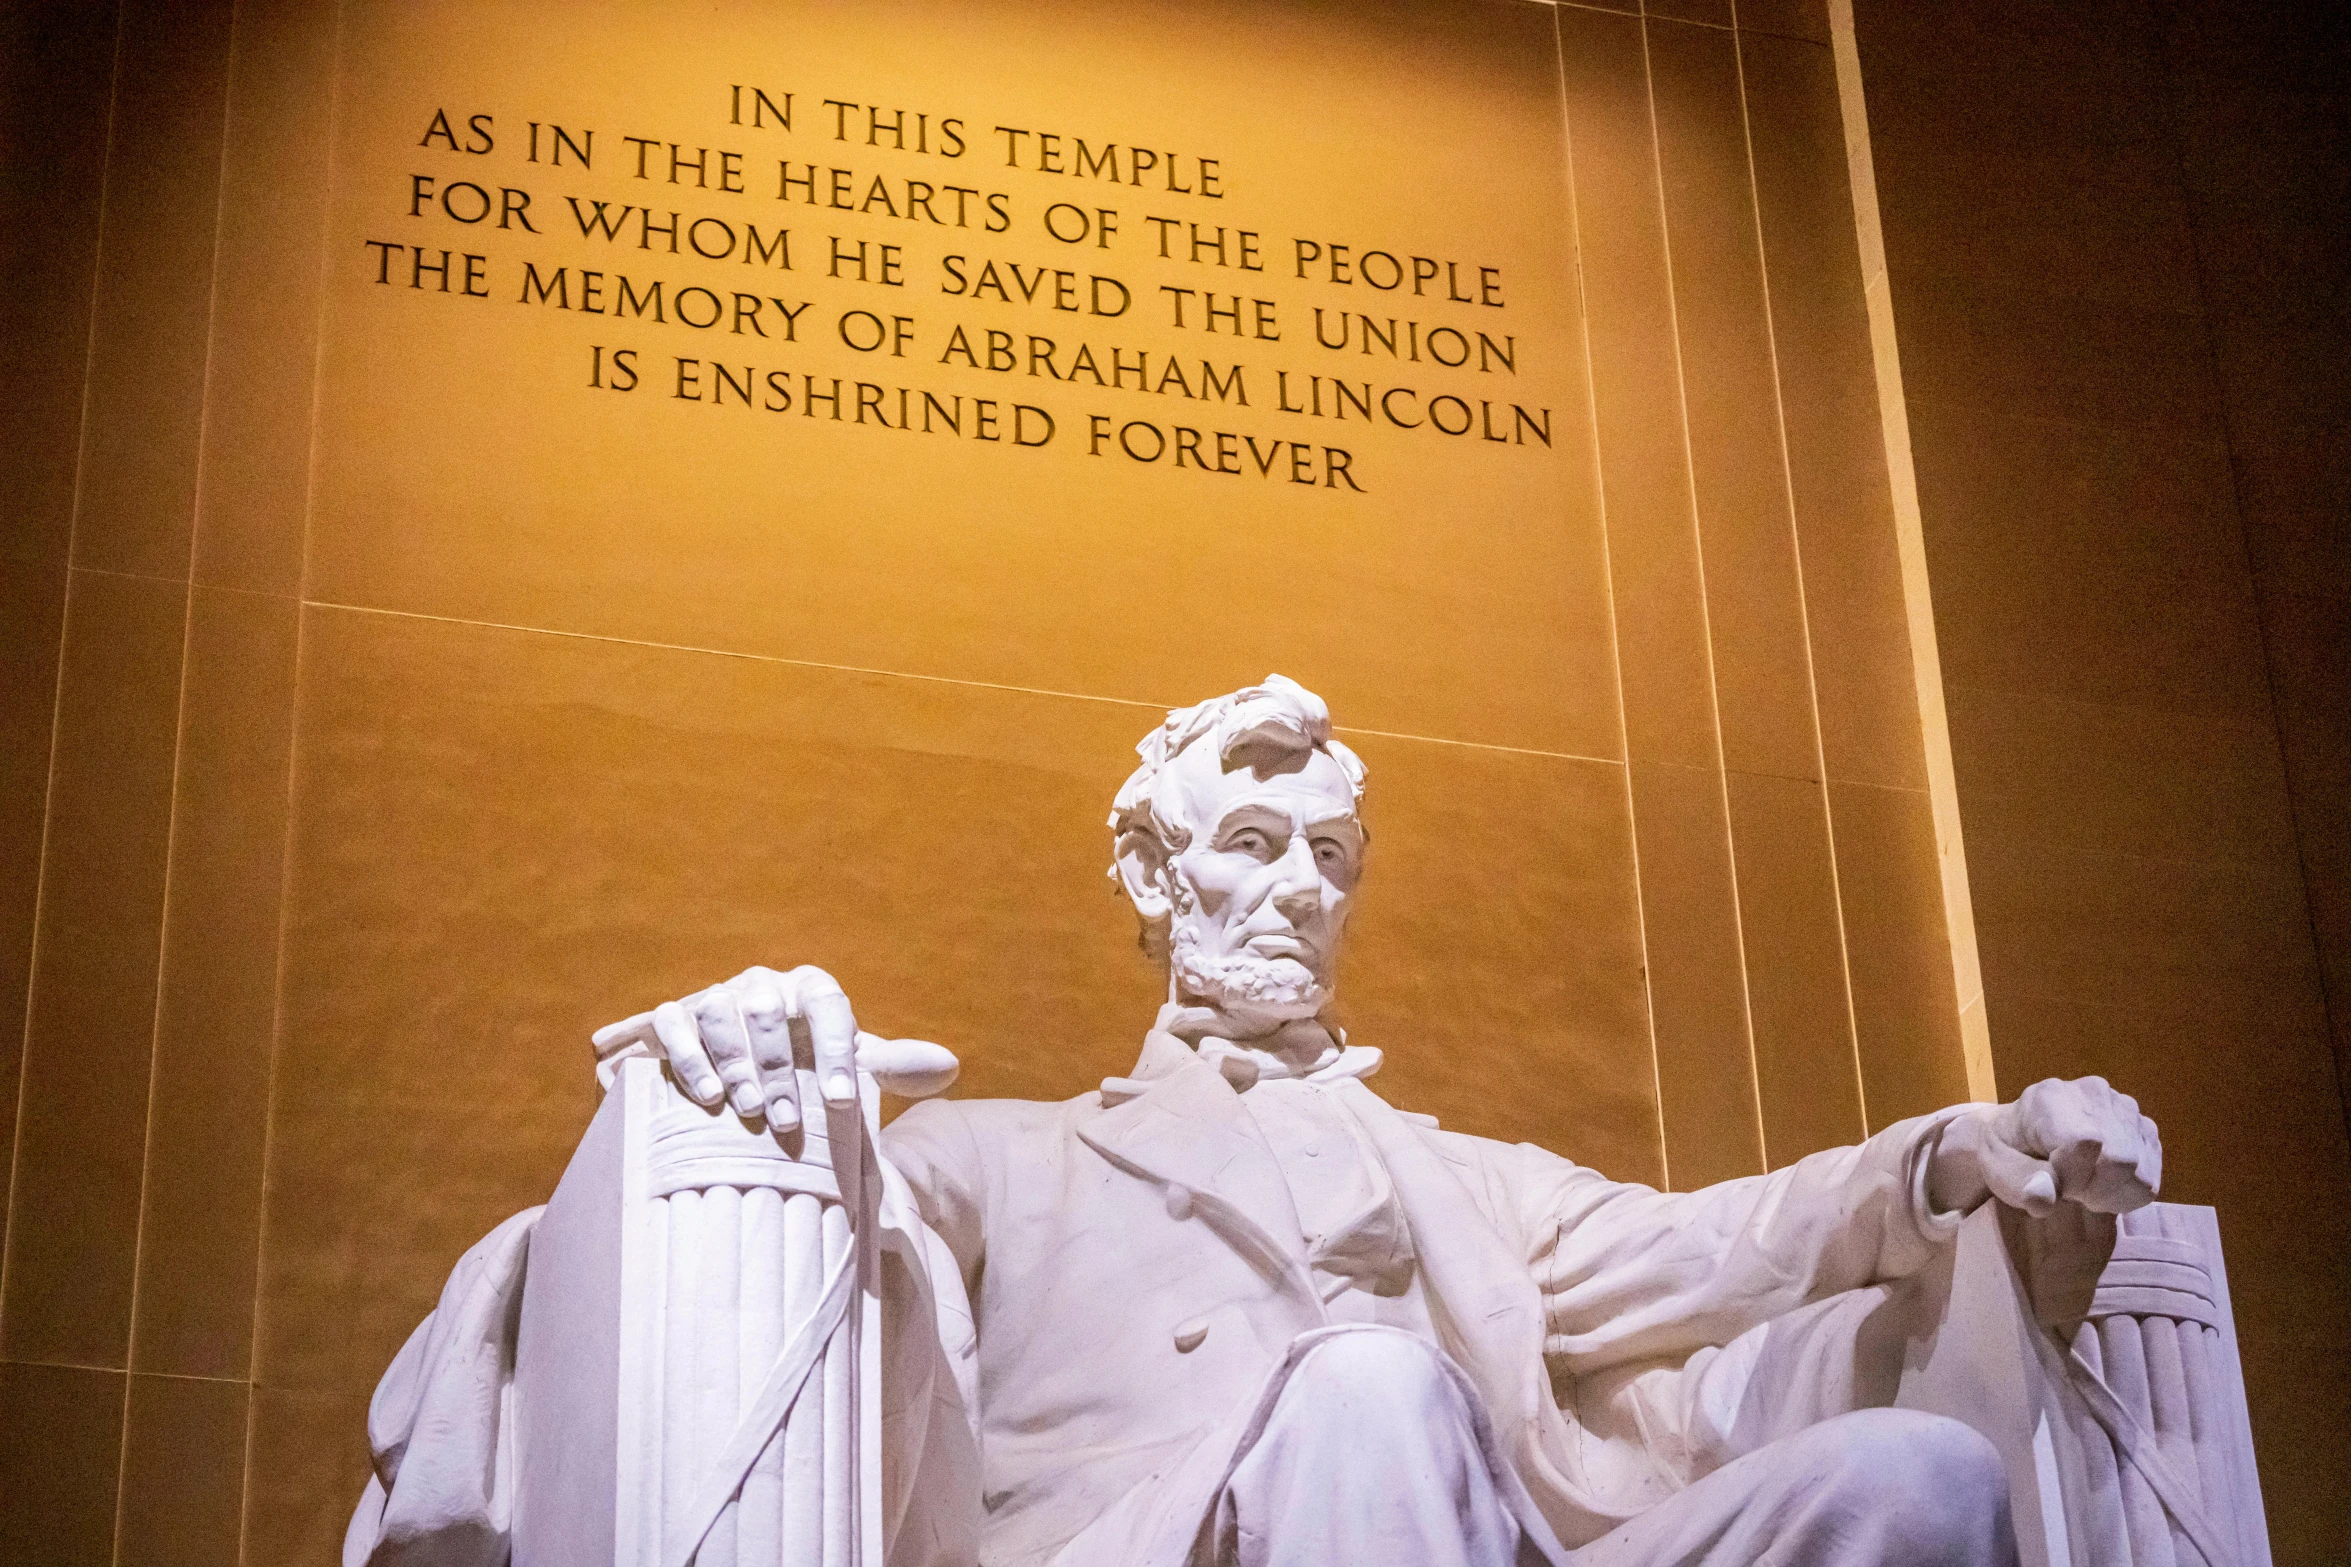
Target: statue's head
[[1239, 843]]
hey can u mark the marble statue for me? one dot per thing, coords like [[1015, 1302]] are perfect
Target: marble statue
[[1233, 1307]]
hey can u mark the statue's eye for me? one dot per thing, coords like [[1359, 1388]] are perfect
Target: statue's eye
[[1252, 842], [1329, 854]]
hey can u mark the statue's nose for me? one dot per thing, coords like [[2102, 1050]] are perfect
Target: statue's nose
[[1298, 891]]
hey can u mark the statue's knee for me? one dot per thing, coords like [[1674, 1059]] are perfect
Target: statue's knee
[[1948, 1456], [1384, 1402], [1371, 1369], [1935, 1475]]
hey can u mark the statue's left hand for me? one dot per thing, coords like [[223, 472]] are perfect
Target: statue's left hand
[[731, 1043], [2077, 1141]]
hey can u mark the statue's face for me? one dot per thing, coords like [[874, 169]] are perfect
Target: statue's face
[[1260, 897]]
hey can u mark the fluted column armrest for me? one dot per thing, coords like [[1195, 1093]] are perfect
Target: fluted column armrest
[[678, 1290], [2100, 1356]]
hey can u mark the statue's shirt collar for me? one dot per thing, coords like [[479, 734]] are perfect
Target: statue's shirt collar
[[1240, 1064]]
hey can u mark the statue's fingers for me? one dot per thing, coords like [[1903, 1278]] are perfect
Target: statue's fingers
[[2103, 1176], [832, 1033], [720, 1019], [2150, 1156], [2018, 1179], [2129, 1167], [2056, 1116], [770, 1027], [681, 1041], [2083, 1166], [2075, 1124]]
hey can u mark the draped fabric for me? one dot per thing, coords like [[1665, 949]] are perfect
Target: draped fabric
[[440, 1427]]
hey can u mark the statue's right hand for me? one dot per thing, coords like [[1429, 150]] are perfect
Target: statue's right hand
[[733, 1042]]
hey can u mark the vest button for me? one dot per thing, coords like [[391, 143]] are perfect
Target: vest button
[[1179, 1202], [1189, 1334]]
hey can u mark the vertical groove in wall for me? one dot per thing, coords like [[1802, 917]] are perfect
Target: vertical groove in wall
[[1694, 977], [1787, 485], [1926, 663], [8, 1192], [154, 1051], [328, 15], [1608, 583], [1705, 611], [171, 846]]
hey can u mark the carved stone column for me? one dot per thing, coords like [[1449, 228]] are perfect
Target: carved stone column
[[695, 1378]]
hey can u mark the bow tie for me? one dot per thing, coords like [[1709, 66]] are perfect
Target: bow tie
[[1306, 1049]]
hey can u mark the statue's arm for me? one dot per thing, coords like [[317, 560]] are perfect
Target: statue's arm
[[1631, 1273]]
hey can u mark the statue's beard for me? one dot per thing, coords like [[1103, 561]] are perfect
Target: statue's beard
[[1269, 989]]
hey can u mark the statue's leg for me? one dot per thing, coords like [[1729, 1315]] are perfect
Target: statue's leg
[[1364, 1446], [1875, 1488], [1371, 1455]]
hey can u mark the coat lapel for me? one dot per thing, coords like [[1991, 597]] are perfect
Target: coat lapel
[[1188, 1132]]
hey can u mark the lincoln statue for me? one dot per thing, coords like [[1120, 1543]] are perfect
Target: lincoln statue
[[1233, 1307]]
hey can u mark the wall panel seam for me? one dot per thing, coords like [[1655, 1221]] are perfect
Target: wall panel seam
[[1608, 583], [171, 831], [117, 1371], [1881, 788], [904, 674], [130, 576], [57, 693], [1965, 950], [1681, 385], [1779, 420], [269, 1098], [293, 778], [171, 836]]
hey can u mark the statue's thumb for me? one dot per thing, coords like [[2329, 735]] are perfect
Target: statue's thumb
[[2018, 1179], [909, 1068]]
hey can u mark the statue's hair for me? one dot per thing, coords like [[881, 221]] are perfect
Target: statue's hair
[[1260, 726]]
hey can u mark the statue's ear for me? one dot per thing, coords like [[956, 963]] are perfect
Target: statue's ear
[[1142, 871]]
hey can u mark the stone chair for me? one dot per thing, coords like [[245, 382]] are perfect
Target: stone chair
[[696, 1372], [2100, 1356]]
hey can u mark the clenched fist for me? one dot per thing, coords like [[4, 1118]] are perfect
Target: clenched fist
[[2075, 1141]]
